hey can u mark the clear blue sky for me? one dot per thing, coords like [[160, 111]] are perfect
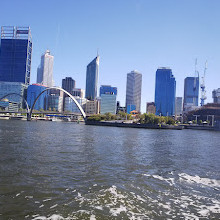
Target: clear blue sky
[[130, 34]]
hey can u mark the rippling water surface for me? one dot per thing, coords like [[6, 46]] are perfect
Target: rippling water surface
[[52, 170]]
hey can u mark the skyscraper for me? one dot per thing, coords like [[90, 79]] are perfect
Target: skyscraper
[[133, 91], [32, 92], [15, 54], [191, 93], [108, 96], [92, 79], [179, 106], [68, 84], [165, 92], [45, 70], [106, 89]]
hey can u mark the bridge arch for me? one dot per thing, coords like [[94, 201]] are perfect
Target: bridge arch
[[58, 88], [27, 106]]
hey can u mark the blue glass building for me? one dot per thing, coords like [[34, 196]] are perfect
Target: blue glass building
[[191, 93], [92, 79], [165, 92], [106, 89], [32, 92], [18, 88], [15, 54], [108, 97]]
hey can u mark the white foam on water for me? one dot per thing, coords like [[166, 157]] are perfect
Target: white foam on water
[[98, 207], [53, 206], [113, 191], [55, 217], [199, 180], [29, 197], [117, 211], [190, 216], [84, 211], [45, 200], [40, 218], [111, 201], [170, 181], [35, 215], [52, 217], [92, 217]]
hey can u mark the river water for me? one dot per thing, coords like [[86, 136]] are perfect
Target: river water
[[61, 170]]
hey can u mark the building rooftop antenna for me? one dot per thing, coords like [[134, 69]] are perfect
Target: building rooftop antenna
[[196, 73], [202, 86], [97, 52]]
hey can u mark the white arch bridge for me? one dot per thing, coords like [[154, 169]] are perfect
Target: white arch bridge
[[29, 111]]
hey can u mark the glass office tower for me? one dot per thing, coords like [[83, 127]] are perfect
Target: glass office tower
[[106, 89], [165, 92], [92, 79], [133, 91], [191, 93], [108, 96], [32, 92], [15, 54], [68, 84], [45, 70], [18, 88]]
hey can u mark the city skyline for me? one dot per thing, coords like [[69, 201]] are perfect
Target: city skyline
[[134, 38]]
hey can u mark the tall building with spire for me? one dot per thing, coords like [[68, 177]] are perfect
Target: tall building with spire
[[92, 79], [45, 70], [133, 91]]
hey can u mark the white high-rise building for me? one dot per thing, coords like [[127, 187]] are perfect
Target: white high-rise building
[[133, 91], [45, 70]]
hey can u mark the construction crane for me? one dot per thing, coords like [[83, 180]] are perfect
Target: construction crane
[[202, 86]]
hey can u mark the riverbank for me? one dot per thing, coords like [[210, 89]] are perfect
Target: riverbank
[[149, 126], [133, 125]]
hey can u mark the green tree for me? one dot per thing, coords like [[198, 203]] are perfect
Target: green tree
[[170, 121], [108, 116]]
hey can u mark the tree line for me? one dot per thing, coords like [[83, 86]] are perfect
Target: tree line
[[138, 118]]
